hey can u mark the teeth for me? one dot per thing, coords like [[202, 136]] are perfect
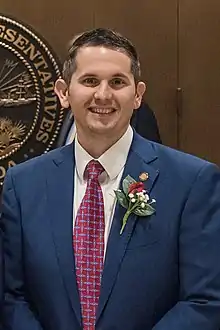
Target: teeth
[[101, 110]]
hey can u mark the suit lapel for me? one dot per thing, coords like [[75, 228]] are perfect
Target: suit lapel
[[139, 159], [60, 183]]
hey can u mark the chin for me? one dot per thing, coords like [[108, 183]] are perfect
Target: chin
[[102, 129]]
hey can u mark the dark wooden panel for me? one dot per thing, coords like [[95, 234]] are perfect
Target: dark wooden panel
[[152, 26], [56, 21], [200, 77]]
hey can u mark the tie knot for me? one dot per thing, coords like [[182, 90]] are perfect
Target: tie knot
[[94, 169]]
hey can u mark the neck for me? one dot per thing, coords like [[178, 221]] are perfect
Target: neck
[[96, 145]]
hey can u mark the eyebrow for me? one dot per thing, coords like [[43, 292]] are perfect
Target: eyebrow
[[116, 75], [121, 75]]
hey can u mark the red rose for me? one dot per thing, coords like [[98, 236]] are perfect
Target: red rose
[[135, 188]]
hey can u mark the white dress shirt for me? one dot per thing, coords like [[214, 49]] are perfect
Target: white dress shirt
[[113, 162]]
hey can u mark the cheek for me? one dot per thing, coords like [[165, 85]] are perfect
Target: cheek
[[79, 95], [127, 97], [128, 104]]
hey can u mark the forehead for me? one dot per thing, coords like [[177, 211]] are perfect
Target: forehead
[[100, 59]]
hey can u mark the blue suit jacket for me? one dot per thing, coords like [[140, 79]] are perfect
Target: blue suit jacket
[[162, 273]]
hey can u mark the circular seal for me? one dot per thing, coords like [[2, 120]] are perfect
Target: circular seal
[[30, 113]]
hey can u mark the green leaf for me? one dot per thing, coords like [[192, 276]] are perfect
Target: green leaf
[[143, 212], [122, 199], [127, 182]]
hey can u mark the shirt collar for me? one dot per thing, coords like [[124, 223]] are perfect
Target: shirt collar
[[112, 167]]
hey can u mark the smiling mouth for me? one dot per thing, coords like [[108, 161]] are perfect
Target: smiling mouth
[[102, 111]]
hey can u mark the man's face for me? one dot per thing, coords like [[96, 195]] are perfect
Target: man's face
[[102, 92]]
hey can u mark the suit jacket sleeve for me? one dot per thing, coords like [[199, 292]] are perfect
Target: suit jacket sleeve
[[18, 314], [199, 251]]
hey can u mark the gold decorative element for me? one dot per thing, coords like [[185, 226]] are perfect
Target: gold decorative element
[[27, 77], [10, 135], [14, 88], [144, 176], [35, 88]]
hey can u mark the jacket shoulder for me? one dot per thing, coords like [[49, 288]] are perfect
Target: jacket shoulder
[[169, 160], [36, 165]]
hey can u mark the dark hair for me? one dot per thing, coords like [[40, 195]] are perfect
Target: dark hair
[[100, 37]]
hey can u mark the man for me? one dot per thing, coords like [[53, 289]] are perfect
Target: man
[[75, 259], [143, 121]]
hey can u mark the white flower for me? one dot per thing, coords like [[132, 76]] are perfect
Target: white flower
[[141, 198], [143, 205], [146, 198], [131, 195], [153, 200], [133, 200]]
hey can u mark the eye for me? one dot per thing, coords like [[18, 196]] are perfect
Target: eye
[[90, 81], [117, 83]]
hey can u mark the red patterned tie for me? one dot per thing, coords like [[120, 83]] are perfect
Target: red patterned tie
[[88, 243]]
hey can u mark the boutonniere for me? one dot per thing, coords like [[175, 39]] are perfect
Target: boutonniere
[[135, 199]]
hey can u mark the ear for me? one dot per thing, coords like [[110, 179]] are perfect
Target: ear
[[61, 89], [140, 89]]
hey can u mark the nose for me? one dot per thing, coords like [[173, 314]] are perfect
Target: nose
[[103, 92]]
